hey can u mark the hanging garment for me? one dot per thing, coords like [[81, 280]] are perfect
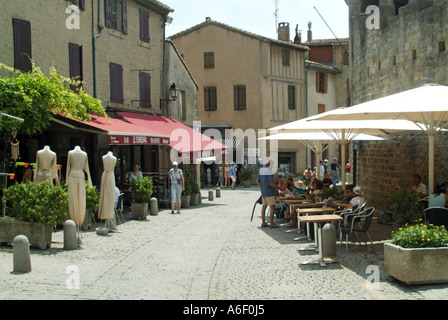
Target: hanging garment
[[46, 167], [107, 196]]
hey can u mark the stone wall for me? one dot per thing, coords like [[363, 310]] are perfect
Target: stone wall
[[382, 166], [405, 53]]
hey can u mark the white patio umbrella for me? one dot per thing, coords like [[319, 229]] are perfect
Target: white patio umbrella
[[318, 142], [344, 132], [426, 106]]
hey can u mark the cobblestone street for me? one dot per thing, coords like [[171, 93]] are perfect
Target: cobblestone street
[[208, 252]]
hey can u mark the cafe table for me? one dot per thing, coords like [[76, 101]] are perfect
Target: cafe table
[[320, 220], [307, 204], [312, 211]]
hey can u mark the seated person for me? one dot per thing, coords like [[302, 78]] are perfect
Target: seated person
[[117, 194], [417, 185], [290, 184], [299, 189], [134, 173], [439, 197], [356, 200], [327, 183], [315, 188], [283, 189]]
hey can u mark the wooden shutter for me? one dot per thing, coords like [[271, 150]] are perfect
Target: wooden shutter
[[82, 5], [22, 45], [291, 97], [75, 63], [144, 25], [210, 99], [116, 82], [145, 89], [124, 16], [108, 14], [239, 97]]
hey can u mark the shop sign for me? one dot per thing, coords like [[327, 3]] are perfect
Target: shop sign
[[136, 140]]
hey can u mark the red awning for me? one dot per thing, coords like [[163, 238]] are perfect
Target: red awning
[[182, 138], [125, 133]]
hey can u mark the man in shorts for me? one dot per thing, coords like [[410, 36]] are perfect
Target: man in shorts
[[265, 181]]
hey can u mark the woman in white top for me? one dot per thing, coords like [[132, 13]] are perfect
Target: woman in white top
[[177, 186]]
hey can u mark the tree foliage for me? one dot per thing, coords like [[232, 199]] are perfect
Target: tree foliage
[[36, 98]]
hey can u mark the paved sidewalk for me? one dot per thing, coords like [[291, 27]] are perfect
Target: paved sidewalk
[[209, 252]]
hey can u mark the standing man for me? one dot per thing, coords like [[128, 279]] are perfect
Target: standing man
[[265, 181], [334, 171], [233, 175]]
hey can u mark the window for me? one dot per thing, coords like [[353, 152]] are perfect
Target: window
[[320, 108], [285, 57], [144, 25], [145, 89], [291, 97], [80, 3], [116, 82], [394, 60], [75, 63], [239, 97], [115, 11], [210, 99], [22, 45], [414, 54], [182, 106], [346, 58], [442, 47], [321, 82], [209, 60]]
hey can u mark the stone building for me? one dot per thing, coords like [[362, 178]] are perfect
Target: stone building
[[118, 49], [406, 51], [247, 82]]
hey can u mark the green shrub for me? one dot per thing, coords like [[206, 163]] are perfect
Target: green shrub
[[141, 189], [188, 186], [245, 174], [40, 202], [195, 188], [405, 205], [332, 192], [92, 198]]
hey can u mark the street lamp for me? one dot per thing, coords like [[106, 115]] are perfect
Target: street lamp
[[173, 95], [173, 92]]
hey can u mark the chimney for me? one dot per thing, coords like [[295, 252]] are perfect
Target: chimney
[[207, 19], [298, 37], [310, 33], [283, 31]]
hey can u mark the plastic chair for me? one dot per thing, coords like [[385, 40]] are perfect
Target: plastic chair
[[119, 208], [259, 201], [365, 216], [437, 216]]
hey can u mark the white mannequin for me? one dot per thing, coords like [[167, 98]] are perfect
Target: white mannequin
[[46, 167], [77, 164], [107, 197]]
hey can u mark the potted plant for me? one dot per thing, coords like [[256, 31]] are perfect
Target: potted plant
[[245, 175], [195, 194], [418, 254], [186, 194], [33, 210], [405, 206], [92, 205], [141, 189]]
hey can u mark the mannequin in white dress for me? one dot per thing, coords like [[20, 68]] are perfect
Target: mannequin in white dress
[[107, 196], [77, 164], [46, 167]]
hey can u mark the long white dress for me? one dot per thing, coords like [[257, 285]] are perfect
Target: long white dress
[[107, 196], [77, 164]]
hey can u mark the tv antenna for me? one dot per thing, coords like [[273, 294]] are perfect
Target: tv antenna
[[276, 15]]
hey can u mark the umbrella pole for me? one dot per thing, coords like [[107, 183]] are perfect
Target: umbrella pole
[[431, 164]]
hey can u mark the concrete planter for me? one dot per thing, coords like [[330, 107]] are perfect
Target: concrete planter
[[185, 198], [416, 266], [39, 235], [246, 183], [194, 199], [139, 210]]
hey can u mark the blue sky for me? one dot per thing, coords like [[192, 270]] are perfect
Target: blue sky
[[257, 16]]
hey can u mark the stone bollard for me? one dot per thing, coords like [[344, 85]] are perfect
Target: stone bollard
[[329, 240], [210, 195], [70, 237], [21, 255], [154, 207], [218, 193]]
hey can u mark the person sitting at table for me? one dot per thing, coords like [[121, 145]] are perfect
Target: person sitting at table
[[299, 189], [439, 197], [283, 189], [290, 184], [356, 200], [135, 172], [417, 185], [315, 188]]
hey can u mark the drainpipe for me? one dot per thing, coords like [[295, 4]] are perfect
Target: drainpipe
[[100, 28]]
